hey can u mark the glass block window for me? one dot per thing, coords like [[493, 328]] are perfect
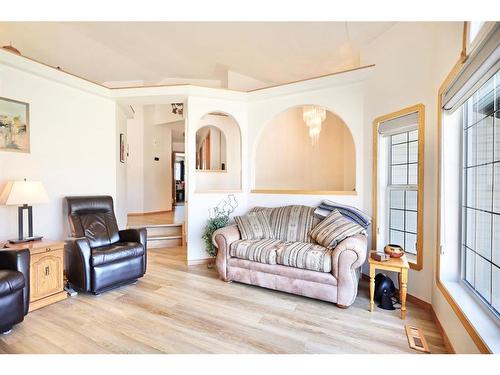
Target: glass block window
[[481, 193], [403, 190]]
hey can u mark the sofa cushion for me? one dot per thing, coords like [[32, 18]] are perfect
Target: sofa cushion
[[290, 223], [254, 226], [262, 251], [304, 255], [116, 252], [334, 229], [11, 281]]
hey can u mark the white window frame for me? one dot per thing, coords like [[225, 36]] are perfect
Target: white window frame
[[495, 314], [399, 187]]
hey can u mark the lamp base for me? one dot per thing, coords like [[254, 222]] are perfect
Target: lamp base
[[26, 239]]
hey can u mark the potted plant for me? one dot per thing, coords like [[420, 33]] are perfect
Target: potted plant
[[218, 218]]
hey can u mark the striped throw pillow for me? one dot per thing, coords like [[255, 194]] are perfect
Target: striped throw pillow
[[334, 229], [254, 226]]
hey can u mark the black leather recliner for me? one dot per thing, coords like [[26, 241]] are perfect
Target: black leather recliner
[[14, 287], [100, 257]]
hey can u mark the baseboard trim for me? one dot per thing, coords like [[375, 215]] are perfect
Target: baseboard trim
[[447, 342], [417, 301], [147, 213], [196, 262]]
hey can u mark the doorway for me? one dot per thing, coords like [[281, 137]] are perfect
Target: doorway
[[178, 178]]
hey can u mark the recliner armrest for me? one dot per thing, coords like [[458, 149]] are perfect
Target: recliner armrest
[[134, 235], [77, 254], [139, 235], [18, 260]]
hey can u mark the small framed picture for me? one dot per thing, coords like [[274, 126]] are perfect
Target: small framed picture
[[122, 148], [14, 126]]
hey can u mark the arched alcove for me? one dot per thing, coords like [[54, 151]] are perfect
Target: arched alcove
[[218, 153], [211, 149], [287, 159]]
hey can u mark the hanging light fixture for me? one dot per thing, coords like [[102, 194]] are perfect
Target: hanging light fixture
[[313, 117]]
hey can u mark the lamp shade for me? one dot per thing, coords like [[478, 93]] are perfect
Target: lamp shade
[[17, 193]]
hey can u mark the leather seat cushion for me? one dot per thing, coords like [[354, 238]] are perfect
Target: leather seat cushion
[[10, 281], [116, 252]]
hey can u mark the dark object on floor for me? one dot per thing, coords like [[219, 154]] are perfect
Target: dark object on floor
[[416, 339], [14, 287], [100, 257], [384, 290]]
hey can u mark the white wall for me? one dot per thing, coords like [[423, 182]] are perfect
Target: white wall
[[135, 162], [73, 147], [403, 77], [121, 206], [157, 174]]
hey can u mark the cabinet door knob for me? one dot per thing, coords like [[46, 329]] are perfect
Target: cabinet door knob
[[47, 271]]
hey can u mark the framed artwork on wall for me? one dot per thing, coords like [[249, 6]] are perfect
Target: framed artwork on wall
[[14, 126], [122, 148]]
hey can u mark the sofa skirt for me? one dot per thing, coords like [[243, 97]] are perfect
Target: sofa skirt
[[312, 284]]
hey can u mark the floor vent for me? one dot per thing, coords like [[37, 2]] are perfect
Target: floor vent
[[416, 339]]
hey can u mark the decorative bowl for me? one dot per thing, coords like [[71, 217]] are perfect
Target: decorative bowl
[[394, 251]]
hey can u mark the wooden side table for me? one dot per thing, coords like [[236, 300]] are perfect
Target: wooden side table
[[46, 271], [399, 265]]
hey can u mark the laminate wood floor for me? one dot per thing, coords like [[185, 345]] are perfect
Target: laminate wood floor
[[180, 309]]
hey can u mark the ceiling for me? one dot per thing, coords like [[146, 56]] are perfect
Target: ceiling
[[160, 52]]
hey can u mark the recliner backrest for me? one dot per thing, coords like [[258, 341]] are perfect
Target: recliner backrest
[[93, 217]]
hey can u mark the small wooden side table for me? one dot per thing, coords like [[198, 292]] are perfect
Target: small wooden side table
[[399, 265], [46, 271]]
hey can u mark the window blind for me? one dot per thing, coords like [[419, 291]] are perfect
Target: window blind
[[401, 124], [480, 66]]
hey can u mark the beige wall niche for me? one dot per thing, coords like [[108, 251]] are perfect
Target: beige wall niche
[[286, 159]]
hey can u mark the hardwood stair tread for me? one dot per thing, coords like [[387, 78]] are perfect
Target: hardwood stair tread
[[160, 237], [155, 226]]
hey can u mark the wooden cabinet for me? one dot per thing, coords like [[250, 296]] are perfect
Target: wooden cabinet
[[46, 272]]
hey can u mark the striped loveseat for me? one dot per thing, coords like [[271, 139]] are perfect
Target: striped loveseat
[[291, 261]]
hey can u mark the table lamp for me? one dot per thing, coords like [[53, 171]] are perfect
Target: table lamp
[[24, 194]]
